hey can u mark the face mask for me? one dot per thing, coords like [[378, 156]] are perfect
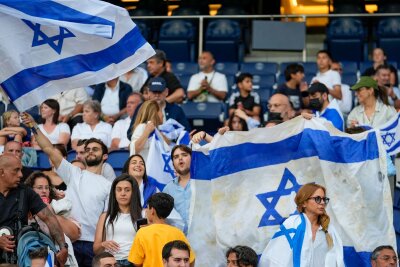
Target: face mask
[[315, 104], [272, 116]]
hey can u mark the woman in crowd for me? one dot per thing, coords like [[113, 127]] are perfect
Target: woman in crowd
[[116, 229], [57, 133], [314, 243], [91, 126], [41, 184], [136, 167], [149, 117], [379, 58], [374, 109], [12, 129]]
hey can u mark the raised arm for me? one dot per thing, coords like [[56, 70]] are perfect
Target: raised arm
[[42, 140]]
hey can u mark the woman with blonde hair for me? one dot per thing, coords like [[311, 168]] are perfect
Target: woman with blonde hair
[[12, 129], [308, 238], [149, 117]]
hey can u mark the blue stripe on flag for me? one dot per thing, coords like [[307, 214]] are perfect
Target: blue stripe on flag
[[356, 259], [153, 181], [393, 125], [298, 241], [227, 160], [29, 79], [55, 11]]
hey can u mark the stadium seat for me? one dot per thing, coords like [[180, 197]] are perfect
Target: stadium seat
[[388, 37], [144, 29], [71, 155], [231, 82], [396, 199], [259, 68], [178, 35], [349, 78], [204, 116], [227, 68], [182, 68], [349, 66], [345, 39], [309, 67], [185, 11], [264, 81], [396, 219], [265, 93], [184, 79], [224, 39], [42, 160], [116, 159]]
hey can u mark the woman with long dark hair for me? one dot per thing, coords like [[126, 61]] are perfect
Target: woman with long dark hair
[[315, 242], [136, 167], [116, 228]]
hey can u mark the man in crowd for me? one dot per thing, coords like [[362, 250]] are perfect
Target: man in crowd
[[150, 240], [12, 192], [104, 259], [104, 168], [176, 254], [87, 190], [118, 136], [384, 256], [113, 96], [382, 77], [325, 75], [241, 256], [15, 148], [208, 85], [280, 108], [319, 103], [156, 68], [180, 188]]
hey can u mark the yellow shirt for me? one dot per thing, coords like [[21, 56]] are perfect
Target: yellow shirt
[[149, 242]]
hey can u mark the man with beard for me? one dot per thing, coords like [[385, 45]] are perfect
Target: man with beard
[[180, 188], [87, 190]]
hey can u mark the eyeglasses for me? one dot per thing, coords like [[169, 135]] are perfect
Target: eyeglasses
[[41, 188], [94, 149], [274, 105], [318, 199]]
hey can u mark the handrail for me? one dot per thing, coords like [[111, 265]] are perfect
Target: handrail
[[201, 19]]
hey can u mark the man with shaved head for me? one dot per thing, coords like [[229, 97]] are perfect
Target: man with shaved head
[[12, 193], [280, 108], [15, 148]]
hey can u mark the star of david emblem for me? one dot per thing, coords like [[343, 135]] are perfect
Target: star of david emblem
[[167, 166], [40, 38], [271, 199], [388, 138]]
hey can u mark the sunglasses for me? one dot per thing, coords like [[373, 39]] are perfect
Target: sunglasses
[[319, 199]]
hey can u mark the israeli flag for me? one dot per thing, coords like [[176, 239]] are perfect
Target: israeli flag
[[49, 46], [390, 133], [333, 114], [50, 258], [246, 183]]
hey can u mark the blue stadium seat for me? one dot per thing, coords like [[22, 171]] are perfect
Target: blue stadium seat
[[184, 79], [181, 68], [177, 35], [345, 39], [231, 82], [259, 68], [204, 116], [365, 65], [264, 81], [71, 155], [309, 67], [224, 39], [349, 66], [265, 94], [349, 78], [281, 79], [116, 159], [227, 68], [388, 37], [42, 160], [396, 219], [144, 29]]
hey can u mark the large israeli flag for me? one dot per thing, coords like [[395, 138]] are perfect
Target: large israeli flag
[[48, 46], [390, 133], [246, 183]]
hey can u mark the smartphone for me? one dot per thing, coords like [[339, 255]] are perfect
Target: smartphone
[[140, 223]]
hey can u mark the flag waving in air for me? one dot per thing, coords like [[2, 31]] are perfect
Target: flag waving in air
[[47, 47]]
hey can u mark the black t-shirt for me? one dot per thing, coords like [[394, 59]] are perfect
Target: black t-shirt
[[170, 79], [294, 95], [248, 102], [9, 206]]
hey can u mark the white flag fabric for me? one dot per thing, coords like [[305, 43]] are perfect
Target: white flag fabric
[[49, 46], [390, 133], [246, 183]]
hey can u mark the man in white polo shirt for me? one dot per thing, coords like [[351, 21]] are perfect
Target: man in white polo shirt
[[88, 191]]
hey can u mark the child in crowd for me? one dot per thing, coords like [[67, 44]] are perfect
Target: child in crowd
[[12, 129]]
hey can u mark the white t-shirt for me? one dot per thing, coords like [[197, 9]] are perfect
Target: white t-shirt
[[119, 131], [70, 98], [124, 233], [216, 80], [110, 100], [346, 103], [89, 195], [55, 134], [137, 79], [108, 172], [137, 133], [330, 78], [102, 131]]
